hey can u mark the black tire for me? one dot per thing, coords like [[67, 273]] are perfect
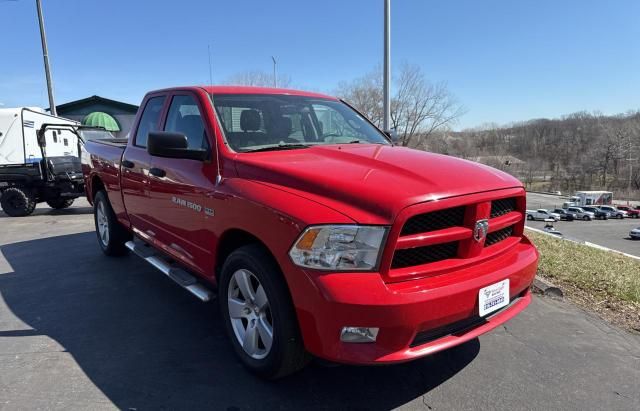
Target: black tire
[[113, 243], [60, 203], [586, 218], [287, 354], [529, 217], [17, 202], [619, 216]]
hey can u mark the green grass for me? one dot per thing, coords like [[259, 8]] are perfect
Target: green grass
[[588, 268]]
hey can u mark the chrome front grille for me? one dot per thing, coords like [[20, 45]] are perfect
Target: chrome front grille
[[435, 220], [449, 233], [497, 236], [422, 255], [502, 207]]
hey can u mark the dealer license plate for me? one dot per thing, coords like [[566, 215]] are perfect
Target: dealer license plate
[[493, 297]]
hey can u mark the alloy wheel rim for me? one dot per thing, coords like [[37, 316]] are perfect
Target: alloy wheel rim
[[250, 314], [103, 224]]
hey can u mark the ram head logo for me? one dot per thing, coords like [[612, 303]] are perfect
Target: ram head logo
[[481, 229]]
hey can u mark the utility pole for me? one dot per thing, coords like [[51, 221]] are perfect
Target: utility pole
[[275, 76], [45, 55], [387, 65], [630, 164]]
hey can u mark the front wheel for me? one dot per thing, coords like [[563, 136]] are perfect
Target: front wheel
[[111, 235], [60, 203], [619, 216], [258, 314], [17, 202], [586, 218]]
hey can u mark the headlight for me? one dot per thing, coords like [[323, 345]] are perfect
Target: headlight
[[339, 247]]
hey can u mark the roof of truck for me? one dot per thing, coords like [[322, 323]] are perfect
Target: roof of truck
[[253, 90]]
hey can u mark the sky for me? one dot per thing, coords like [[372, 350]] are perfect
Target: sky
[[504, 60]]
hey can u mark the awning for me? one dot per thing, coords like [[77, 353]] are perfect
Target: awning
[[100, 119]]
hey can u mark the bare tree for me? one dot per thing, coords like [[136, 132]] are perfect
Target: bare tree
[[418, 108], [365, 94], [258, 79]]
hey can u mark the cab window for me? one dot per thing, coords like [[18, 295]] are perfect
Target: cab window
[[184, 117], [149, 120]]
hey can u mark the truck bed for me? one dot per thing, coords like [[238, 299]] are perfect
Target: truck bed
[[115, 142], [106, 156]]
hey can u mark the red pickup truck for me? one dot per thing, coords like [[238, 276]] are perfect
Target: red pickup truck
[[317, 235], [631, 212]]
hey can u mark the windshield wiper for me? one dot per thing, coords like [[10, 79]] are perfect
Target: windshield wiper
[[285, 146]]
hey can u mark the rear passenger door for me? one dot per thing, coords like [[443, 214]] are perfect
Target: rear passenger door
[[180, 205]]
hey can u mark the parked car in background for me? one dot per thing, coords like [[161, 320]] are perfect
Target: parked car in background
[[564, 214], [614, 212], [633, 213], [542, 214], [581, 213], [599, 214], [568, 204], [635, 234]]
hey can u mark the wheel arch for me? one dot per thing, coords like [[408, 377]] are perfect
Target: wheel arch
[[231, 240], [96, 185]]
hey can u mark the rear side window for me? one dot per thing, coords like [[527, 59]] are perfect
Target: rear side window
[[149, 120], [184, 117]]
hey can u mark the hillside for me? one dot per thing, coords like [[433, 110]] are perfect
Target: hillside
[[580, 151]]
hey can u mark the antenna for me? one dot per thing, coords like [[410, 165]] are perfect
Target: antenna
[[215, 138], [210, 66]]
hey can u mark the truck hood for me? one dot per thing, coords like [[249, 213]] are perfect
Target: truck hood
[[370, 183]]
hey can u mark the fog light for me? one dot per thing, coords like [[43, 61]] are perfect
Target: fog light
[[359, 334]]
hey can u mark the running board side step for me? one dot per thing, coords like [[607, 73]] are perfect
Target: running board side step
[[180, 276]]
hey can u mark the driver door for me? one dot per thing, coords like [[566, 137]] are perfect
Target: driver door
[[180, 200]]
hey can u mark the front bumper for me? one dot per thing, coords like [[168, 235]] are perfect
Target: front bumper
[[443, 308]]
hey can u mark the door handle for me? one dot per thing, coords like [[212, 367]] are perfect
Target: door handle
[[127, 164], [158, 172]]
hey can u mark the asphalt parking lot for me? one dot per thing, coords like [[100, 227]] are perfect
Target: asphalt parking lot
[[612, 233], [82, 331]]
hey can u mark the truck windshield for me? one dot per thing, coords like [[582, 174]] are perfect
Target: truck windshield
[[275, 122]]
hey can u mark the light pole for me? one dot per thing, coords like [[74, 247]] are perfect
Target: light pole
[[387, 66], [275, 76], [45, 55], [630, 164]]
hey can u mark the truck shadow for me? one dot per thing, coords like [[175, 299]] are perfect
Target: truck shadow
[[145, 343]]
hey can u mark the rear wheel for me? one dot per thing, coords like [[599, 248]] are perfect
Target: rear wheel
[[530, 217], [258, 314], [111, 235], [60, 203], [17, 202]]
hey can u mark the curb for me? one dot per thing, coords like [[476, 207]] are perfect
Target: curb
[[545, 287]]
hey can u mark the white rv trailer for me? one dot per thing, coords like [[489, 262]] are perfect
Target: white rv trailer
[[586, 198], [19, 140], [39, 160]]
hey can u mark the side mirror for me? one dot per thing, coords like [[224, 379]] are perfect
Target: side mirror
[[173, 145], [393, 135]]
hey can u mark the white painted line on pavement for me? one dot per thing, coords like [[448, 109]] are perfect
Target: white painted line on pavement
[[588, 244]]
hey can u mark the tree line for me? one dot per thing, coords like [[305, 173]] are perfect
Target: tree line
[[580, 151]]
